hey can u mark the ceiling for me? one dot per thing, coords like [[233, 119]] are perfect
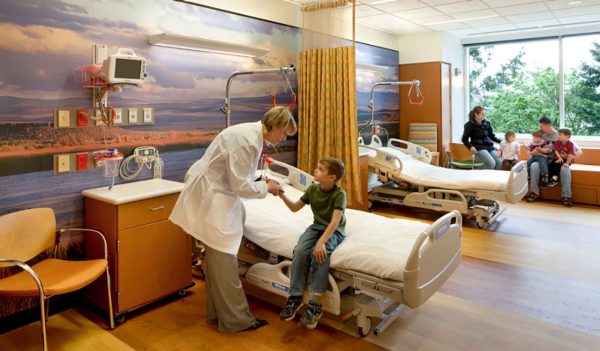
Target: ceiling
[[473, 18]]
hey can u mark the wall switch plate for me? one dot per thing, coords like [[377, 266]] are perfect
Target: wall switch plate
[[133, 116], [63, 118], [63, 163], [118, 116], [147, 115]]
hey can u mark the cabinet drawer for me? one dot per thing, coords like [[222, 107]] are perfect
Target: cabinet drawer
[[142, 212]]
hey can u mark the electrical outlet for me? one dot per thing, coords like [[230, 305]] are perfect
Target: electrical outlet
[[147, 115], [63, 118], [63, 163], [133, 115], [118, 116]]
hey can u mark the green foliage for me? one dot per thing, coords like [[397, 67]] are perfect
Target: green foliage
[[515, 99]]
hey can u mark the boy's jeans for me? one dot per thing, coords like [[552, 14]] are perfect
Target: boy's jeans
[[542, 161], [304, 260], [565, 180]]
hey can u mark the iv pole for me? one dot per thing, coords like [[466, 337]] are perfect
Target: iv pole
[[416, 83], [227, 108]]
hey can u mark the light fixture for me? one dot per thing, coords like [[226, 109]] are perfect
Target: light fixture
[[573, 3], [372, 68], [379, 2], [207, 45], [461, 20]]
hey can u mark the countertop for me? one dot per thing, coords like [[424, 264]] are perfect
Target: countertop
[[135, 191]]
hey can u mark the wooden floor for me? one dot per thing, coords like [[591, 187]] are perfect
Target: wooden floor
[[531, 282]]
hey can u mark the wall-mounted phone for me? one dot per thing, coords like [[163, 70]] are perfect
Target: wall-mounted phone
[[147, 156]]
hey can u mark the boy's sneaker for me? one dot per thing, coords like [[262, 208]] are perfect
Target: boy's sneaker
[[544, 181], [566, 201], [533, 197], [292, 305], [311, 316], [552, 182]]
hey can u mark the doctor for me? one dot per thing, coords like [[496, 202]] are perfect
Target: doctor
[[209, 209]]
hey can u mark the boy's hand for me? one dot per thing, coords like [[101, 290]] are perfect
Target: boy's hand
[[273, 187], [559, 160], [565, 165], [319, 252]]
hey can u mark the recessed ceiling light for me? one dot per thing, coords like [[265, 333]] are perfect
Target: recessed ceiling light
[[573, 3], [379, 2]]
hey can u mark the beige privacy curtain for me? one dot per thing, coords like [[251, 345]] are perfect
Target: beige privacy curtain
[[327, 118]]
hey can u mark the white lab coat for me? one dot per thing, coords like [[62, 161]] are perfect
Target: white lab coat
[[209, 206]]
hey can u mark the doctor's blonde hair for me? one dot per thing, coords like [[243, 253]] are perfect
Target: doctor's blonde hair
[[279, 116]]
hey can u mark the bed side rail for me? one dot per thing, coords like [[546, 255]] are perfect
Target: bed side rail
[[517, 183], [386, 165], [434, 257], [416, 151], [375, 142], [297, 178]]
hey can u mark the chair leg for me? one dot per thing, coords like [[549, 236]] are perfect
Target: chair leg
[[47, 307], [43, 320], [110, 306]]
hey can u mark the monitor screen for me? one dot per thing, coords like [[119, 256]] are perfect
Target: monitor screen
[[128, 69]]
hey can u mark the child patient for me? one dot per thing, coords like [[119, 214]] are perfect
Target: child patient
[[538, 144], [564, 150], [327, 201]]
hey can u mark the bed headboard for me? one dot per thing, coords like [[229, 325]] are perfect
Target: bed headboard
[[416, 151], [375, 142], [296, 177]]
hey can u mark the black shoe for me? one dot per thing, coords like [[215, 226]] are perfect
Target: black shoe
[[544, 182], [566, 201], [533, 197], [259, 323], [552, 182], [311, 316], [292, 305]]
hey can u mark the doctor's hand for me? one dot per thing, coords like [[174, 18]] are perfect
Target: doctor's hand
[[273, 187], [319, 252]]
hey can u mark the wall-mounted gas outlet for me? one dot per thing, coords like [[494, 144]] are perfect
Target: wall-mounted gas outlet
[[118, 116], [133, 115], [148, 115], [82, 118]]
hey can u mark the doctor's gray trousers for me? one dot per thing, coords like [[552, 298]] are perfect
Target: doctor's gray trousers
[[225, 298]]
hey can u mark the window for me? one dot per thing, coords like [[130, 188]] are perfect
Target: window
[[582, 78], [517, 83]]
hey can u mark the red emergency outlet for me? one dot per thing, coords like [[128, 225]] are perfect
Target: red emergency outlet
[[82, 118], [82, 162]]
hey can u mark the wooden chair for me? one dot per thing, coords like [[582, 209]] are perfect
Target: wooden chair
[[24, 235], [460, 157]]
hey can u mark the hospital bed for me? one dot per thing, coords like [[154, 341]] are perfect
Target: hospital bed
[[383, 264], [406, 177]]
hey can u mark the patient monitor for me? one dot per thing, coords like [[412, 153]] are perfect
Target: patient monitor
[[124, 68]]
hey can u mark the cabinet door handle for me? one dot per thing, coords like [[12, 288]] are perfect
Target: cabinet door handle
[[152, 209]]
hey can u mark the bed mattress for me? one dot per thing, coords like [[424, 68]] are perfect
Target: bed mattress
[[420, 173], [374, 244]]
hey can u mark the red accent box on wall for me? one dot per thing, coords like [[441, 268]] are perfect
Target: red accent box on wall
[[82, 162], [82, 118]]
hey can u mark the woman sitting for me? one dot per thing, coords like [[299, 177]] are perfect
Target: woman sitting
[[479, 138]]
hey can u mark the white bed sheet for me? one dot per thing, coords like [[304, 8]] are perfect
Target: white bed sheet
[[374, 244], [420, 173]]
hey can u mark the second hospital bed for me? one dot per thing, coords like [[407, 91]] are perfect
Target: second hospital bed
[[382, 265], [407, 178]]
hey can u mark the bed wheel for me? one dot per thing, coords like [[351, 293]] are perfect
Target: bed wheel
[[366, 329]]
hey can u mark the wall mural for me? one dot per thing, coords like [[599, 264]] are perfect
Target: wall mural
[[43, 41]]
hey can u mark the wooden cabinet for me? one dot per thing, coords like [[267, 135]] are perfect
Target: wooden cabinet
[[149, 257], [436, 86]]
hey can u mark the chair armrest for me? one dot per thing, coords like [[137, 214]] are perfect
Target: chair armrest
[[60, 232], [28, 269]]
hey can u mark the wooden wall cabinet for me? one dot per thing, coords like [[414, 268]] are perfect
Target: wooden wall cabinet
[[436, 86], [149, 257]]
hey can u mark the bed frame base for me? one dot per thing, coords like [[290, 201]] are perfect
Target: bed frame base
[[485, 211]]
